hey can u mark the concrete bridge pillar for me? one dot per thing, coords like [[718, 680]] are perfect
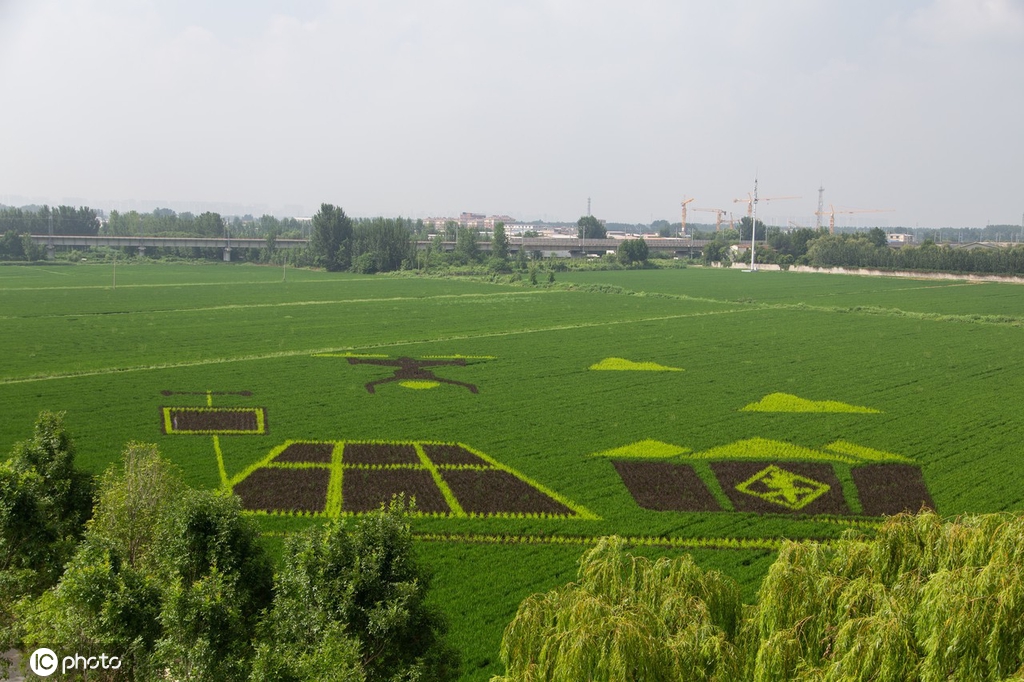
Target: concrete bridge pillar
[[227, 254], [51, 252], [142, 251]]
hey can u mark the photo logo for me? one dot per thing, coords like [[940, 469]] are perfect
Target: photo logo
[[43, 662]]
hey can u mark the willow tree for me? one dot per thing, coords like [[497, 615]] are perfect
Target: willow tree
[[922, 600], [628, 618]]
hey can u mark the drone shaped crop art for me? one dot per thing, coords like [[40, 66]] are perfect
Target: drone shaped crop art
[[413, 373]]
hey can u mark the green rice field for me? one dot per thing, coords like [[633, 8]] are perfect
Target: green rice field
[[707, 411]]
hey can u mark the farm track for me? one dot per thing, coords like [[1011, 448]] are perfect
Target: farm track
[[997, 320], [285, 304], [174, 285]]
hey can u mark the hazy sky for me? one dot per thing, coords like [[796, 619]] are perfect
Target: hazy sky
[[427, 108]]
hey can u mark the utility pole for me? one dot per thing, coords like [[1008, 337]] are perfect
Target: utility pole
[[753, 228], [821, 204]]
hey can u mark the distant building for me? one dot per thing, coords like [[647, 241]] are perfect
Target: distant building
[[899, 238], [975, 246], [477, 221]]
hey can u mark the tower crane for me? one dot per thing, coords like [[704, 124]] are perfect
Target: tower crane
[[683, 204], [749, 201], [718, 218], [832, 210]]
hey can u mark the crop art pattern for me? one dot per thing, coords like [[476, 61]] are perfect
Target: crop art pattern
[[765, 476], [214, 420], [334, 478], [413, 373]]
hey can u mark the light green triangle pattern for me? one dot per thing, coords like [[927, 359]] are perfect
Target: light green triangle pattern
[[621, 364], [644, 449], [785, 402], [765, 448], [865, 453]]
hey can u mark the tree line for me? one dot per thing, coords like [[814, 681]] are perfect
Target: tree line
[[17, 223], [36, 220], [867, 249], [175, 583]]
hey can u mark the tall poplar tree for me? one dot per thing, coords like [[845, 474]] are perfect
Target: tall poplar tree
[[332, 238]]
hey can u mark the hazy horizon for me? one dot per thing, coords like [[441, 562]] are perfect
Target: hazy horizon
[[527, 109]]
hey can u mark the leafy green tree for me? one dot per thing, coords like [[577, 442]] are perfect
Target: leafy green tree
[[381, 244], [451, 231], [357, 588], [11, 246], [219, 580], [466, 248], [45, 501], [209, 224], [71, 220], [122, 224], [628, 618], [716, 251], [745, 230], [878, 237], [170, 579], [499, 242], [632, 251], [44, 504], [589, 227], [795, 242], [331, 243]]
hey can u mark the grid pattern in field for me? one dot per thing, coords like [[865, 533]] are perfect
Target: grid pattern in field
[[351, 477], [284, 490], [665, 486], [891, 489]]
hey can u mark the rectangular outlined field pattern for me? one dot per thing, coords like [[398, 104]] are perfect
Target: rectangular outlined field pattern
[[214, 420]]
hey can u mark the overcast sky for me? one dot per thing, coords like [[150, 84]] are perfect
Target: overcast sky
[[527, 108]]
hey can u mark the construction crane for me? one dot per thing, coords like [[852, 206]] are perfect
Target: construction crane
[[832, 210], [749, 201], [682, 231], [719, 213]]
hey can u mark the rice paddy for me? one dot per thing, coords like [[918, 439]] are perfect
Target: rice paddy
[[739, 409]]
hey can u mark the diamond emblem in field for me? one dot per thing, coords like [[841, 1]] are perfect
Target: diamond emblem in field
[[354, 477], [784, 488]]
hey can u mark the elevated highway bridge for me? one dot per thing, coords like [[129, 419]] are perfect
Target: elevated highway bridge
[[570, 247]]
